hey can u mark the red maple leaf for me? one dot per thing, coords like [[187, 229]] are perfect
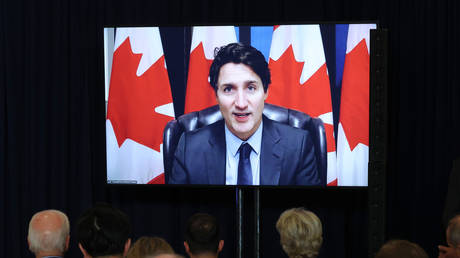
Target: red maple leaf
[[354, 109], [133, 99], [200, 94], [312, 97]]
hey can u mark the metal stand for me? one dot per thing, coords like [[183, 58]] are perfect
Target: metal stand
[[256, 222], [240, 221]]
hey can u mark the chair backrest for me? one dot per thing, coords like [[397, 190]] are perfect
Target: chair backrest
[[198, 119]]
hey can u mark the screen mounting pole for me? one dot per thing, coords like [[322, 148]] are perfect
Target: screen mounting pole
[[239, 221], [256, 222]]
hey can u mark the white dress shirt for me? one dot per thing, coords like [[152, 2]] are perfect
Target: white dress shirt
[[233, 144]]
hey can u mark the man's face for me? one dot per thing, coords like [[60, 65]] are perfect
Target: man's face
[[241, 96], [454, 251]]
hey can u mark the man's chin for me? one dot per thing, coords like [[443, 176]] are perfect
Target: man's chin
[[242, 133]]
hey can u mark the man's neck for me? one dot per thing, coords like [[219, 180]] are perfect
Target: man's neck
[[204, 255]]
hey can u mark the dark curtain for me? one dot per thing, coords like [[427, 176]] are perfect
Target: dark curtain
[[52, 121]]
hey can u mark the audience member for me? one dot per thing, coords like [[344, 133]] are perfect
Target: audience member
[[452, 203], [401, 248], [453, 240], [103, 231], [149, 246], [202, 236], [48, 234], [301, 233]]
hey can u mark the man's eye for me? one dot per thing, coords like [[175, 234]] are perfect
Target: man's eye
[[227, 89], [251, 87]]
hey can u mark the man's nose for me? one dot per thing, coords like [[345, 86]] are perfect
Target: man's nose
[[241, 100]]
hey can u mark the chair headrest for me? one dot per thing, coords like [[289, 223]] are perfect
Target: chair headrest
[[194, 120]]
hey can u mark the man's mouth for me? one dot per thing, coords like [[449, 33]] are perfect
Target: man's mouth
[[241, 114], [241, 117]]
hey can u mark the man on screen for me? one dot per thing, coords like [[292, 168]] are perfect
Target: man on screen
[[245, 148]]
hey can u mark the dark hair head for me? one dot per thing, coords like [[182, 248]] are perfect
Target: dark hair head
[[103, 230], [202, 234], [239, 54]]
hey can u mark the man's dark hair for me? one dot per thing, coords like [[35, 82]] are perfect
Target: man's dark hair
[[239, 54], [103, 230], [202, 234]]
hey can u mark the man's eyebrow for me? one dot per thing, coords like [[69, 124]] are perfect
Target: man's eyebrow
[[226, 84], [233, 84]]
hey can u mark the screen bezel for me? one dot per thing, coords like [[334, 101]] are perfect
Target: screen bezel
[[371, 146]]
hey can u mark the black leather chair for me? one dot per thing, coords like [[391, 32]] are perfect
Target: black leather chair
[[198, 119]]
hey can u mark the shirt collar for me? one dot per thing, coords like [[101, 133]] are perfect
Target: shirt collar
[[234, 143]]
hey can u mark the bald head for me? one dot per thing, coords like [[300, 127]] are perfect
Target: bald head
[[48, 232]]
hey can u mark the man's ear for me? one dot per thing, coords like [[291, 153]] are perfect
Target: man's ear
[[67, 241], [221, 246], [83, 251], [127, 246], [187, 248], [28, 242], [266, 94]]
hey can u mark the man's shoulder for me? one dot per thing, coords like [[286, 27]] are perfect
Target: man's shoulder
[[207, 130], [284, 129]]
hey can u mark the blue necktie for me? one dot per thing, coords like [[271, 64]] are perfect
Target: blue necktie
[[244, 165]]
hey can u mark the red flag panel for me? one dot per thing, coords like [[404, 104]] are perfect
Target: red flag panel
[[200, 94], [354, 111], [133, 99]]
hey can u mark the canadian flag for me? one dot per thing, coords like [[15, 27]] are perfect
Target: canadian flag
[[300, 79], [353, 129], [139, 106], [205, 39]]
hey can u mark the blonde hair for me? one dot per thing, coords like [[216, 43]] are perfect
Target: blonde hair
[[149, 246], [45, 235], [300, 232]]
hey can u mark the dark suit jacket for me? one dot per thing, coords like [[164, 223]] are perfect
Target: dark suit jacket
[[287, 156]]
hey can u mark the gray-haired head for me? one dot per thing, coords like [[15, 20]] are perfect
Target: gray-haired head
[[48, 231]]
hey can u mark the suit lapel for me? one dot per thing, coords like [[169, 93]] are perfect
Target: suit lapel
[[215, 158], [271, 155]]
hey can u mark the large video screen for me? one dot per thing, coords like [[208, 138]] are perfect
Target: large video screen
[[245, 105]]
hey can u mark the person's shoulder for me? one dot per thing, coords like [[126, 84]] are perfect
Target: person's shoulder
[[206, 131], [285, 129]]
